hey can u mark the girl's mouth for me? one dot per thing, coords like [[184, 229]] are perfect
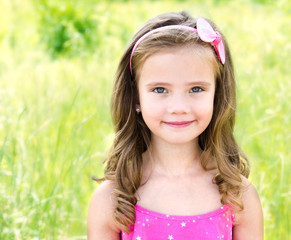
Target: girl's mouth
[[179, 124]]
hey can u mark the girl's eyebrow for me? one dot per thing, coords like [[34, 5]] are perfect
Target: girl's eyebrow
[[152, 84], [200, 83]]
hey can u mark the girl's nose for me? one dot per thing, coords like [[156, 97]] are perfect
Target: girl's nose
[[178, 105]]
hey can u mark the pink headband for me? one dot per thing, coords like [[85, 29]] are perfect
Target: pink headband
[[204, 30]]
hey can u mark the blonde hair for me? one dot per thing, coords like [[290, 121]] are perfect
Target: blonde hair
[[132, 136]]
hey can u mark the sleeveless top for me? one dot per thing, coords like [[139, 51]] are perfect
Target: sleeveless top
[[149, 225]]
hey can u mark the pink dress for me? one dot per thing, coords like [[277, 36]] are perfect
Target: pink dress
[[149, 225]]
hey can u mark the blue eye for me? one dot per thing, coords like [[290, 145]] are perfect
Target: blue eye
[[196, 89], [159, 90]]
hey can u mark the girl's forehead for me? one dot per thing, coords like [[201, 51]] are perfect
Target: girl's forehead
[[178, 67], [183, 59]]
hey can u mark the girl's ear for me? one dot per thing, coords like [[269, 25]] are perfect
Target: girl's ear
[[137, 108]]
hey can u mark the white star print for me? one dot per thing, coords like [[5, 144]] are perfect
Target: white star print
[[138, 238], [183, 224], [170, 237]]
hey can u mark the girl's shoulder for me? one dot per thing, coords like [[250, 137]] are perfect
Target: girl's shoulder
[[249, 221], [250, 195], [100, 221]]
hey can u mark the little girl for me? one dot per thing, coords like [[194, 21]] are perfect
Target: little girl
[[175, 170]]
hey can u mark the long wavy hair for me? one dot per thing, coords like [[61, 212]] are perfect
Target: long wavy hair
[[132, 137]]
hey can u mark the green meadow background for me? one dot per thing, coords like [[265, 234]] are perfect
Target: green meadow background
[[57, 63]]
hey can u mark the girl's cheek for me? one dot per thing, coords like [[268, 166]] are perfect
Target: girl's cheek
[[203, 109]]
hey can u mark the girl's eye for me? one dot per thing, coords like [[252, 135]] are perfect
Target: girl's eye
[[196, 89], [160, 90]]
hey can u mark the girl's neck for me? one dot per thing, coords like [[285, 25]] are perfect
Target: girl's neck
[[174, 160]]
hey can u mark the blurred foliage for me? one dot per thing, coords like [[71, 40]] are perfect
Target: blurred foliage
[[66, 28]]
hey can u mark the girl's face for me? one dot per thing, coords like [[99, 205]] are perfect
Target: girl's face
[[176, 93]]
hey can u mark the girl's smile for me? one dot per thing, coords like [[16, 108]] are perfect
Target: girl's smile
[[176, 93], [179, 124]]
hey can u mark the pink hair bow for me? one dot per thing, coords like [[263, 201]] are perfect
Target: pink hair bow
[[207, 34]]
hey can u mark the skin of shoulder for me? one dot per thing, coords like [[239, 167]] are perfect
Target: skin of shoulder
[[249, 222], [100, 220]]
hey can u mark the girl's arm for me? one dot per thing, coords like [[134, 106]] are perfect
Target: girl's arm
[[100, 222], [249, 222]]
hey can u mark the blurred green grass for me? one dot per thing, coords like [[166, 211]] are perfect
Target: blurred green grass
[[55, 124]]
